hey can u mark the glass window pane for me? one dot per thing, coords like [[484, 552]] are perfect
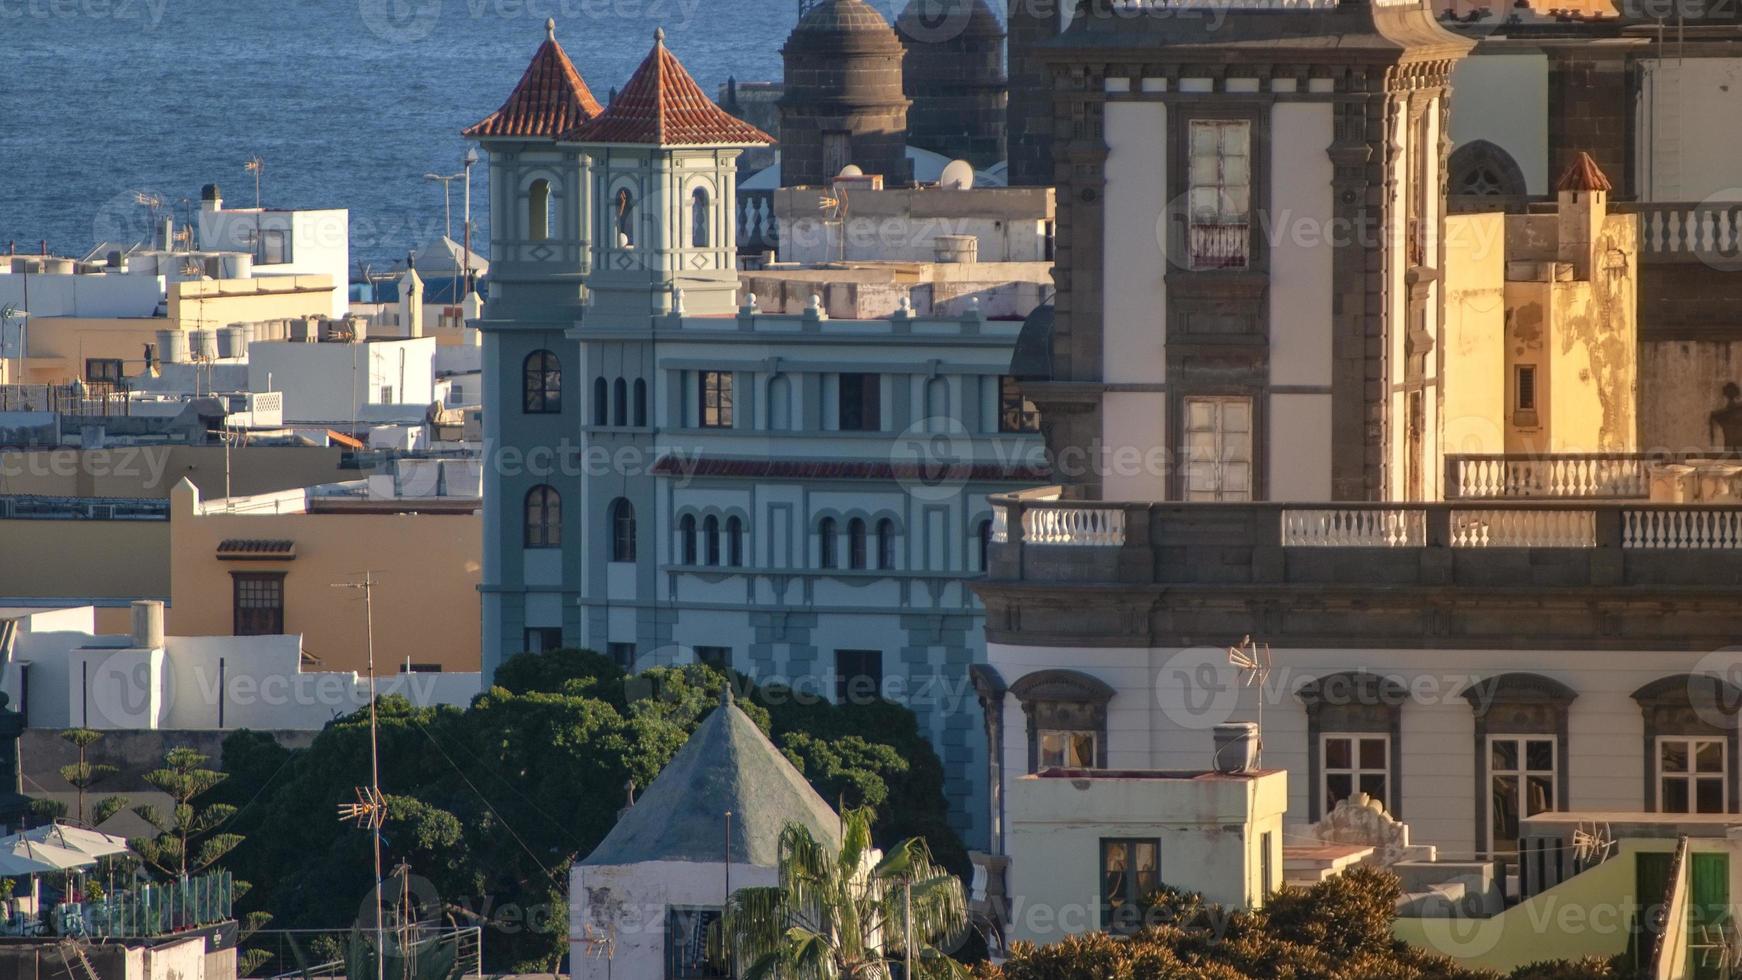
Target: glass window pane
[[1338, 786], [1082, 754], [1675, 795], [1051, 750], [1504, 826], [1200, 414], [1709, 795], [1373, 784], [1503, 756], [1539, 795], [1337, 753], [1674, 756], [1205, 139], [1539, 755], [1709, 757], [1373, 753]]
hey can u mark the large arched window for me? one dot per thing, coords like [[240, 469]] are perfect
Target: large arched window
[[625, 218], [701, 217], [601, 402], [620, 402], [686, 539], [1067, 719], [1521, 753], [640, 402], [622, 530], [734, 542], [711, 539], [886, 544], [542, 385], [544, 517], [855, 543], [826, 543], [538, 211]]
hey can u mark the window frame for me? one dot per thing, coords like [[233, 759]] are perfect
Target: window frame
[[886, 545], [686, 539], [711, 541], [1201, 223], [623, 655], [541, 385], [1523, 773], [734, 541], [1061, 700], [863, 411], [1219, 433], [544, 531], [714, 399], [622, 516], [701, 218], [273, 615], [1133, 888], [1693, 775], [1064, 762], [828, 548], [543, 633], [856, 545], [845, 688], [113, 373], [1356, 769], [538, 198]]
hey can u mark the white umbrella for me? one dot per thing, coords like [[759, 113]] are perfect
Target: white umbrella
[[32, 857], [94, 843]]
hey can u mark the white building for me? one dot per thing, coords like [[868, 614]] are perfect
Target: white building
[[336, 383], [641, 904], [283, 242]]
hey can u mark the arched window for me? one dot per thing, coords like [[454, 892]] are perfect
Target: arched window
[[544, 517], [620, 402], [538, 211], [640, 403], [711, 538], [686, 537], [701, 217], [1483, 169], [826, 543], [622, 530], [734, 542], [601, 402], [886, 544], [542, 386], [855, 543], [985, 542], [779, 403], [625, 219]]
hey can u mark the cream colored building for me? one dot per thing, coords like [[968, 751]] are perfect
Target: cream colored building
[[269, 563]]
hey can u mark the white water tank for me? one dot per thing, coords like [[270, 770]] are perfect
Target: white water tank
[[957, 249], [172, 347], [232, 341], [1236, 747], [148, 625], [202, 344]]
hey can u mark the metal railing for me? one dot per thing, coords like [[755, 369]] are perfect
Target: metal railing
[[82, 400], [152, 910], [1219, 246]]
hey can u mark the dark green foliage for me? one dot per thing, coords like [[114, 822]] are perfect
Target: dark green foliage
[[491, 804], [1339, 929]]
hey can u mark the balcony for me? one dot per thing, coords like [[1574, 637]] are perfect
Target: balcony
[[1219, 246], [1714, 477]]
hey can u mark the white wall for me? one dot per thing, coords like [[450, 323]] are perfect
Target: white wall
[[1503, 98], [334, 382], [1133, 289], [319, 242], [1685, 152], [622, 910], [100, 295]]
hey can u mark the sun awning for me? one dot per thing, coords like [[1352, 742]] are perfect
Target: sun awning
[[343, 440], [256, 549]]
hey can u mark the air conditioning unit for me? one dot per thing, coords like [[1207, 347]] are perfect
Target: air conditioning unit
[[102, 512]]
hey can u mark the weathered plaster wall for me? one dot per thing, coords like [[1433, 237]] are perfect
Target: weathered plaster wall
[[1593, 351], [1682, 384], [1474, 409]]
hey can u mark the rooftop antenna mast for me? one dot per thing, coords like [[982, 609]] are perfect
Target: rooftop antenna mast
[[256, 165], [1252, 661], [370, 809]]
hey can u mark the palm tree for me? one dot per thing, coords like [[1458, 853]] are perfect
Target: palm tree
[[846, 916]]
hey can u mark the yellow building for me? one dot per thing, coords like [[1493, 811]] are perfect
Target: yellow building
[[269, 564]]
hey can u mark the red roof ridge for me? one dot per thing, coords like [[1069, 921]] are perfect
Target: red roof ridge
[[1583, 175], [661, 105], [550, 99]]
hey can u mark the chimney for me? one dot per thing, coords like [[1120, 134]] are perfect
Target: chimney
[[167, 231], [148, 624], [211, 199]]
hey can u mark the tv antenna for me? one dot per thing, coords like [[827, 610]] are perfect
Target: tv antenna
[[256, 165], [371, 807], [1592, 846], [1251, 662]]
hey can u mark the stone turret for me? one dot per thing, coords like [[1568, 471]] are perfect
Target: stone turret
[[843, 102], [954, 74], [1583, 204]]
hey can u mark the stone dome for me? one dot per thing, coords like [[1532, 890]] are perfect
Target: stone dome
[[853, 23], [843, 101], [940, 21]]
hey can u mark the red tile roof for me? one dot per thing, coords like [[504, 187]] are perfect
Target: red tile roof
[[663, 106], [550, 100], [1583, 175]]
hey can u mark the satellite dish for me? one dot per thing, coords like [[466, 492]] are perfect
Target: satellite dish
[[851, 170], [957, 176]]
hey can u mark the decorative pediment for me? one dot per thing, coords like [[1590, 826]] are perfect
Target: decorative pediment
[[1061, 685]]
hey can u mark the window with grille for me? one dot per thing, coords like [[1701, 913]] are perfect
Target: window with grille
[[1355, 764], [715, 399], [1219, 196], [544, 518], [259, 603], [1521, 777], [1525, 394], [542, 384], [1692, 775], [1218, 448]]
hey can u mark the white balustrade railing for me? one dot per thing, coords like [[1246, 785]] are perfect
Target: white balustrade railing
[[1000, 525], [1552, 477], [1084, 526], [1354, 528], [1689, 229], [1524, 529], [1681, 529]]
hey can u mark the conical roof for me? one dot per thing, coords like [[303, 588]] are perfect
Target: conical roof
[[662, 105], [1583, 175], [550, 100], [728, 765]]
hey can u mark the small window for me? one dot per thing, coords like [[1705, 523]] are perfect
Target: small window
[[1130, 871], [640, 403], [734, 542], [837, 152], [701, 219], [273, 247], [855, 543], [601, 402], [858, 676], [1267, 862], [1522, 774], [103, 372], [623, 655], [544, 517], [826, 543], [714, 398], [622, 530], [1067, 748], [886, 544], [542, 384], [538, 211], [1692, 775], [861, 403], [719, 658], [711, 538], [1015, 413], [686, 533], [1356, 764], [625, 219], [1524, 399], [417, 668], [259, 603], [620, 402], [542, 639]]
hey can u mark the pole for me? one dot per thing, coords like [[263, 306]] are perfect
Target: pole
[[907, 929], [731, 963], [374, 768], [466, 260]]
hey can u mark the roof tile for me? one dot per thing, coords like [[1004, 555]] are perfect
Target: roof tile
[[550, 100], [1583, 175], [663, 106]]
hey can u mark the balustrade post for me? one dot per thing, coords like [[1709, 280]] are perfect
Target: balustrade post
[[1436, 553]]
